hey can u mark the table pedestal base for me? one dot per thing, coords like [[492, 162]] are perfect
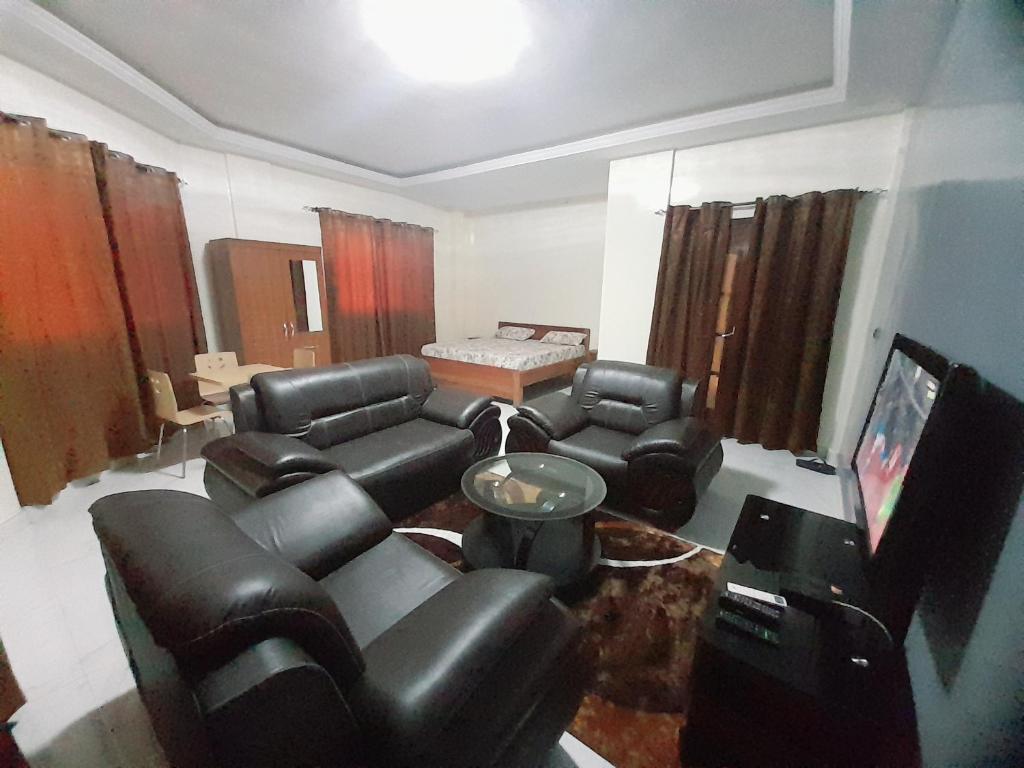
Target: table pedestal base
[[566, 550]]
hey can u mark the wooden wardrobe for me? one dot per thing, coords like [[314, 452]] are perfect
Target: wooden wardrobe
[[272, 300]]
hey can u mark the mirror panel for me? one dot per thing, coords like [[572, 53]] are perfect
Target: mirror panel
[[306, 296]]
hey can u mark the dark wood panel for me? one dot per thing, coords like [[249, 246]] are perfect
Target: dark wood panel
[[256, 304]]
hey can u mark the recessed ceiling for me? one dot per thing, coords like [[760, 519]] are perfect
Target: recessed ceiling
[[597, 79], [307, 74]]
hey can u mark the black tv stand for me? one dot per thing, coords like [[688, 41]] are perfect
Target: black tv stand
[[833, 691]]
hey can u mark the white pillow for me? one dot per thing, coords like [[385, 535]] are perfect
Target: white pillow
[[563, 337], [515, 332]]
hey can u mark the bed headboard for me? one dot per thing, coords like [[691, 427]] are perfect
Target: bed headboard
[[542, 329]]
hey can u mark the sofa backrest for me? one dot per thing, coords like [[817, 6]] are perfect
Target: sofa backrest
[[207, 591], [330, 405], [628, 397]]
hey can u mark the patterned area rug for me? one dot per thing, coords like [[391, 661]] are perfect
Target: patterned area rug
[[639, 632]]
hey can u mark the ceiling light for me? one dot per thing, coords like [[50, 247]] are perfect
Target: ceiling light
[[455, 41]]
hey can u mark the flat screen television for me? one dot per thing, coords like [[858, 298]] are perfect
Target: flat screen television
[[904, 399], [904, 472]]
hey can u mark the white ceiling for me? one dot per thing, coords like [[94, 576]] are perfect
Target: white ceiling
[[299, 83]]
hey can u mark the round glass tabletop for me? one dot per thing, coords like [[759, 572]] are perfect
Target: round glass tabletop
[[533, 486]]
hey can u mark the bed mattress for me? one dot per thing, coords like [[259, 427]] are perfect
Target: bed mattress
[[504, 353]]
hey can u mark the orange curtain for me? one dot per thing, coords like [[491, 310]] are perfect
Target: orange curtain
[[11, 697], [380, 285], [69, 402], [153, 265]]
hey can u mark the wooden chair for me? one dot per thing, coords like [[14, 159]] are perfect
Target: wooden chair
[[214, 361], [166, 407], [304, 357]]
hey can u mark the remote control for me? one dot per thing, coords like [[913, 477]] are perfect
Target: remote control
[[742, 624], [751, 608], [757, 594]]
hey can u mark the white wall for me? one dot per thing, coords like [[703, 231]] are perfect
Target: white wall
[[957, 237], [541, 265], [637, 188], [858, 153], [233, 196], [861, 153]]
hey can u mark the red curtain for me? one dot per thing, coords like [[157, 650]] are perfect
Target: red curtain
[[380, 285], [69, 401], [153, 263], [689, 286]]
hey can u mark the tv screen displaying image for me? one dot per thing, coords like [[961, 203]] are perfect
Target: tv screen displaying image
[[902, 404]]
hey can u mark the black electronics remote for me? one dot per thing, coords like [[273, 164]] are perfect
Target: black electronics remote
[[816, 465], [751, 608], [742, 624]]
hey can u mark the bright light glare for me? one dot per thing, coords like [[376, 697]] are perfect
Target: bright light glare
[[448, 40]]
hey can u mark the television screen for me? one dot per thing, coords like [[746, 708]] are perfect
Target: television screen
[[904, 399]]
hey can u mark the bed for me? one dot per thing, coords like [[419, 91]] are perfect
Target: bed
[[503, 368]]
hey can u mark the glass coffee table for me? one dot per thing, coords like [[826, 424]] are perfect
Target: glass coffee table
[[536, 515]]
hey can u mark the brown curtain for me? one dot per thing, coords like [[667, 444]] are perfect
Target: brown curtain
[[689, 286], [798, 250], [153, 263], [380, 285], [69, 402]]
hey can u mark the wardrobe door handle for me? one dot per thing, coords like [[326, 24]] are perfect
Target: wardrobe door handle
[[292, 324], [284, 329]]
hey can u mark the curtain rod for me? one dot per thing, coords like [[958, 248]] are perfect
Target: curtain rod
[[752, 203], [319, 208]]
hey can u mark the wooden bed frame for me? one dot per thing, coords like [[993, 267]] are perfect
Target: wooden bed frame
[[504, 382]]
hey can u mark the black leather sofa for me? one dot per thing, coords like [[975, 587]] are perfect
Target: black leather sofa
[[633, 424], [303, 632], [380, 420]]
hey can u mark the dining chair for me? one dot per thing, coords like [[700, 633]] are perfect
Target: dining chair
[[166, 406], [304, 357], [214, 394]]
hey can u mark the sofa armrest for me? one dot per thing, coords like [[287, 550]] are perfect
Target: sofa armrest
[[424, 671], [318, 525], [281, 454], [454, 408], [273, 705], [688, 397], [261, 463], [557, 414], [674, 436]]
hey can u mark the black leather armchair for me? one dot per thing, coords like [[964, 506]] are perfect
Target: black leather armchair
[[303, 632], [380, 420], [633, 424]]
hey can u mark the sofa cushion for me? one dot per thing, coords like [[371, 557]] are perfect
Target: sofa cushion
[[598, 448], [628, 397], [336, 403], [417, 447], [384, 584]]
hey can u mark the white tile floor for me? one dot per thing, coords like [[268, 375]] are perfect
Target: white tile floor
[[59, 631]]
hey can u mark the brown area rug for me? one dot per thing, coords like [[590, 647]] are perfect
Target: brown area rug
[[639, 633]]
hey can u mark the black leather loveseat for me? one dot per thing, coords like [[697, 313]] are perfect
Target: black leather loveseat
[[380, 420], [303, 632], [633, 424]]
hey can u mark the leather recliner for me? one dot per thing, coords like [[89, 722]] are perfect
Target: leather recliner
[[632, 424], [304, 632], [381, 421]]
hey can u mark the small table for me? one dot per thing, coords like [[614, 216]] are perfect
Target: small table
[[536, 517], [229, 377], [805, 701]]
